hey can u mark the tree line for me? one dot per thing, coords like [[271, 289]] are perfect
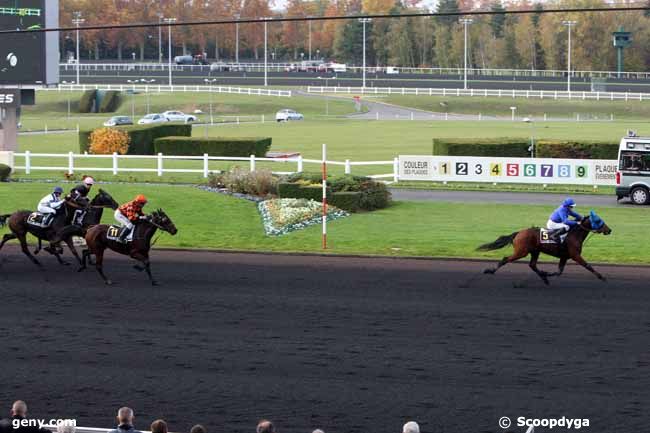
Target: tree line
[[530, 41]]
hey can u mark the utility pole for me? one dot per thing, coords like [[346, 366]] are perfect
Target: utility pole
[[466, 22], [364, 21], [569, 24], [169, 22], [237, 16], [77, 21]]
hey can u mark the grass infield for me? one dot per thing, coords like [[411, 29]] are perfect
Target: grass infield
[[207, 220]]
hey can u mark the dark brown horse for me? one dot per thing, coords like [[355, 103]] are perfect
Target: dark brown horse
[[527, 241], [97, 239], [20, 227]]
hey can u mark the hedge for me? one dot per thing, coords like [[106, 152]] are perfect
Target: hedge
[[518, 148], [296, 190], [346, 200], [142, 136], [110, 102], [87, 101], [215, 146], [5, 172]]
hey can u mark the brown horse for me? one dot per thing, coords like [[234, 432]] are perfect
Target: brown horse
[[97, 239], [20, 227], [527, 241]]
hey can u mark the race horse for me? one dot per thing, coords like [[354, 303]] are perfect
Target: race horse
[[102, 237], [70, 215], [528, 241]]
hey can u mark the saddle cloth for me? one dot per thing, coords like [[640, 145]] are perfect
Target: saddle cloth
[[545, 237], [40, 220], [113, 234]]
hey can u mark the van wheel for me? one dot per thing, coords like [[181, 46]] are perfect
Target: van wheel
[[639, 195]]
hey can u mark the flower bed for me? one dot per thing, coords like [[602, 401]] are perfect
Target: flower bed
[[284, 215]]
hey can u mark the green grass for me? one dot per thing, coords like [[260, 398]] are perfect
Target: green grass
[[493, 106], [207, 220]]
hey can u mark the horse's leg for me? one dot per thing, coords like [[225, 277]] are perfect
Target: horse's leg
[[534, 256], [84, 258], [69, 242], [7, 237], [144, 258], [519, 252], [39, 247], [578, 259], [99, 265], [25, 248], [560, 268]]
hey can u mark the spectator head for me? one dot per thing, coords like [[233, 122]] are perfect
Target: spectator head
[[199, 429], [125, 416], [65, 427], [411, 427], [318, 431], [265, 426], [159, 426], [19, 408]]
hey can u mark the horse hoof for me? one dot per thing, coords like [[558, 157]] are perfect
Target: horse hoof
[[109, 283], [488, 271], [81, 269], [138, 268], [65, 263], [155, 283], [36, 251]]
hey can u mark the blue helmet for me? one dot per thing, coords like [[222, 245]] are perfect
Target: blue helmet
[[58, 190], [569, 202]]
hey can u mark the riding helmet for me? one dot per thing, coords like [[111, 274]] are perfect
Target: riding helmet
[[58, 190], [141, 199], [569, 202]]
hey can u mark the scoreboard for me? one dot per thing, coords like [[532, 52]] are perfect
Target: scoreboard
[[29, 58]]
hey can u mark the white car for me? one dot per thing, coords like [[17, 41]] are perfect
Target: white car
[[178, 116], [286, 115], [152, 118]]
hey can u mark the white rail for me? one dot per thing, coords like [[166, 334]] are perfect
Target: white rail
[[174, 88], [528, 94]]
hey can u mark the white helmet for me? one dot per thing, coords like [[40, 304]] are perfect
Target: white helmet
[[89, 181]]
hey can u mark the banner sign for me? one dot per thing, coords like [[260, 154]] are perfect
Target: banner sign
[[508, 170]]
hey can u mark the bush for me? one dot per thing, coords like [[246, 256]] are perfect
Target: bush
[[346, 200], [297, 190], [518, 148], [87, 101], [5, 172], [215, 146], [259, 182], [110, 102], [374, 195], [309, 177], [142, 136], [106, 141]]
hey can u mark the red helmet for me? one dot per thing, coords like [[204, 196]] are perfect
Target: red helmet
[[141, 199]]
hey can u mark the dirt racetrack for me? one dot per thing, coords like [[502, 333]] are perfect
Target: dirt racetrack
[[344, 344]]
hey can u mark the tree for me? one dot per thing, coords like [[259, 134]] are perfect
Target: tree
[[497, 21], [445, 7]]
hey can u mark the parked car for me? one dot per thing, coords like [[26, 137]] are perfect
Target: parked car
[[178, 116], [191, 60], [221, 67], [152, 118], [118, 120], [286, 115]]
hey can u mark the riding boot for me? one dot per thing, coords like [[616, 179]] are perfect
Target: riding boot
[[124, 233]]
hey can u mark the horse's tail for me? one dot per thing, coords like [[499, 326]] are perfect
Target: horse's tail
[[501, 242], [3, 219]]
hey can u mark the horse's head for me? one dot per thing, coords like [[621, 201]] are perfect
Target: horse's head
[[163, 222], [104, 199], [595, 224]]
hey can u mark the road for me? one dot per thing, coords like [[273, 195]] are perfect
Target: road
[[344, 344]]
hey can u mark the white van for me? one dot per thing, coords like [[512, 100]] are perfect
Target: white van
[[633, 175]]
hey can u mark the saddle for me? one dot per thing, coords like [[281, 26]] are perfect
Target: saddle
[[547, 236], [115, 233], [42, 221]]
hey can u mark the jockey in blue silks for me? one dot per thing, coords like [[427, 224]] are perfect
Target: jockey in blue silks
[[560, 222]]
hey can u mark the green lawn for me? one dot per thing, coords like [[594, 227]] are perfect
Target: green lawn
[[493, 106], [207, 220]]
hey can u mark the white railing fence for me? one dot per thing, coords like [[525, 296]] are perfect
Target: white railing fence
[[529, 94], [150, 88], [160, 169]]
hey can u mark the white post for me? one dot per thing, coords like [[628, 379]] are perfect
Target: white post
[[465, 22], [300, 162], [266, 57], [252, 163], [160, 164], [324, 164], [28, 162], [569, 24], [348, 167], [70, 163], [411, 115], [262, 118], [115, 163], [206, 172], [395, 169]]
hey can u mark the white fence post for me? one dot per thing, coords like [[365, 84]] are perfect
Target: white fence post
[[70, 163], [206, 172], [115, 163], [252, 162], [396, 169], [28, 162], [160, 164], [348, 167], [299, 163]]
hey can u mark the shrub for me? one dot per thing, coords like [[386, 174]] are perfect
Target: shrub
[[110, 101], [87, 101], [141, 136], [215, 180], [374, 195], [259, 182], [576, 149], [106, 141], [5, 172], [215, 146], [310, 177], [346, 200]]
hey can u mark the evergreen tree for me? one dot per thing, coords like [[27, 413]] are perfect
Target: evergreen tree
[[497, 21], [445, 7]]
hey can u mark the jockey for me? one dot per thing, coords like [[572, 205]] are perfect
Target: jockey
[[81, 191], [559, 221], [50, 204], [129, 213]]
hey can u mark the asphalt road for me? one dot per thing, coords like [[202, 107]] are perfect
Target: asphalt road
[[344, 344]]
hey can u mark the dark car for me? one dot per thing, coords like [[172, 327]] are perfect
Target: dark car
[[118, 120]]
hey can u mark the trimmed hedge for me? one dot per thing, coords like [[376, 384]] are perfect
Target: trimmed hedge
[[5, 172], [87, 101], [142, 136], [296, 190], [215, 146], [518, 148], [110, 102], [347, 200]]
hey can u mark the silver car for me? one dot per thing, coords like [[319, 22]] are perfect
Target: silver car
[[152, 118]]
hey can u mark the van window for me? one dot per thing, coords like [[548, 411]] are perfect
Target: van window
[[634, 161]]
